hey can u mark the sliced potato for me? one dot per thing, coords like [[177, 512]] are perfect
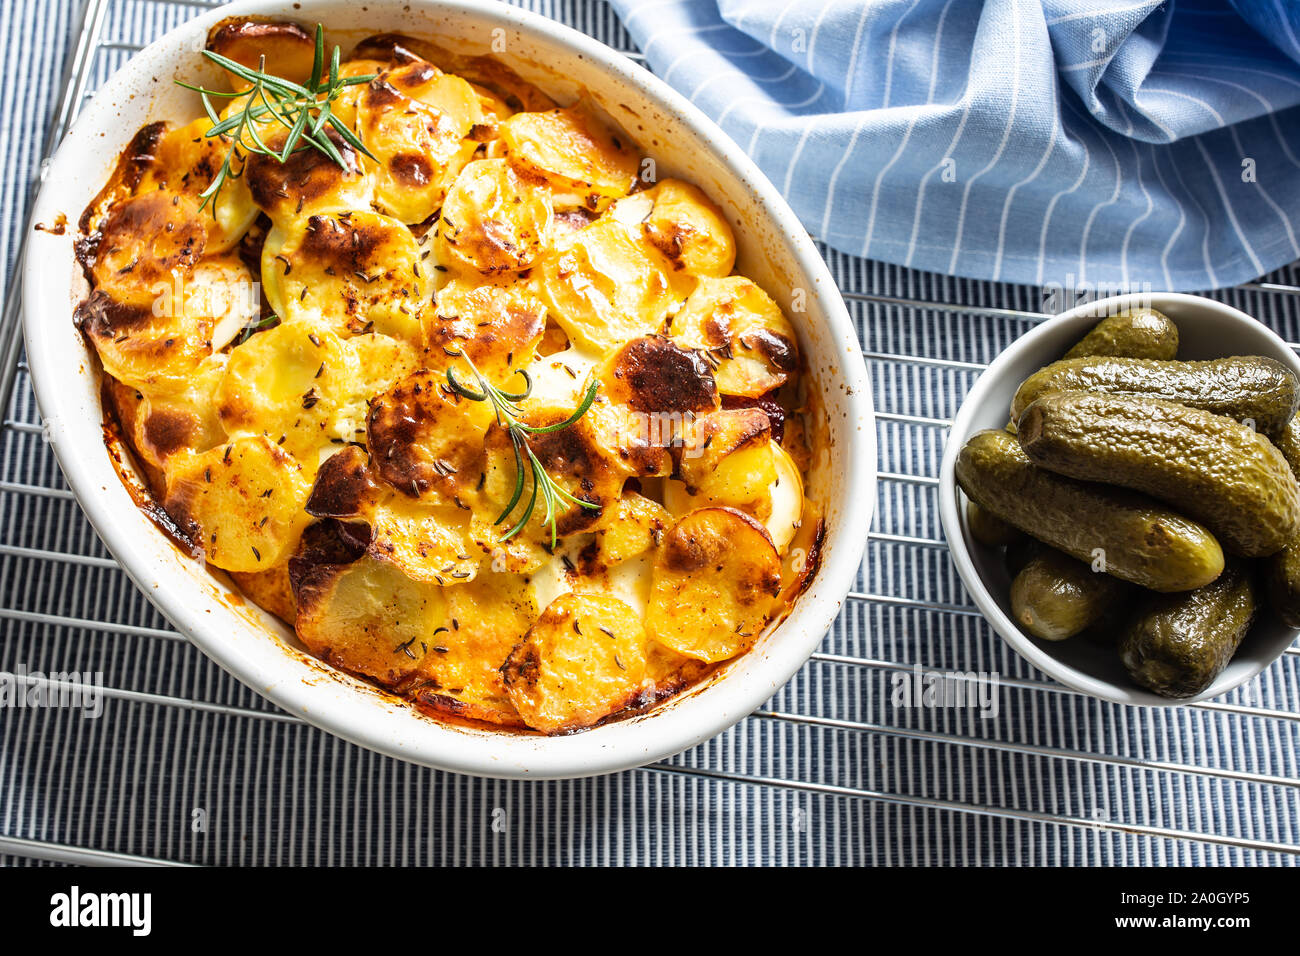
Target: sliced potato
[[162, 347], [427, 441], [717, 436], [582, 661], [140, 348], [715, 580], [384, 361], [186, 160], [573, 459], [634, 525], [606, 285], [286, 49], [689, 229], [345, 105], [493, 220], [345, 486], [176, 420], [652, 374], [415, 119], [147, 246], [243, 502], [759, 479], [358, 271], [522, 554], [497, 324], [430, 543], [309, 182], [461, 673], [743, 331], [671, 671], [574, 151], [269, 590], [485, 71], [368, 617], [289, 383]]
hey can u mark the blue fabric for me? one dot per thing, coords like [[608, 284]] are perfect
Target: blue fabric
[[1116, 142]]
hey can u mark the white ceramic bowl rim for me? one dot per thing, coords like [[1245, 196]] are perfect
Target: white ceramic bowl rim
[[951, 501], [238, 641]]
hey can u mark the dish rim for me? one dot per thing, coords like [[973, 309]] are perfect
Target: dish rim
[[365, 715]]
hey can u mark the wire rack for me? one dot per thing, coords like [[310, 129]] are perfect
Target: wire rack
[[829, 771]]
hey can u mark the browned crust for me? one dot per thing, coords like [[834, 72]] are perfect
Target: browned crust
[[653, 375], [304, 178], [398, 426], [343, 485], [131, 165]]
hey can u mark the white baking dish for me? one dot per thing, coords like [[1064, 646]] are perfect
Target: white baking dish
[[262, 652]]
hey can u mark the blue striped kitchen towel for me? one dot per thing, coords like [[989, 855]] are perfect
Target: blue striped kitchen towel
[[1111, 143]]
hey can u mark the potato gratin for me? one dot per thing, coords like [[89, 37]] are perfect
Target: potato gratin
[[464, 395]]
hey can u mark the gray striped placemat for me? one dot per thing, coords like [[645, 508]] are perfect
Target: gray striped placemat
[[829, 772]]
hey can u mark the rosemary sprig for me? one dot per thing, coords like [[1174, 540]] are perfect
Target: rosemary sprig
[[303, 110], [508, 412]]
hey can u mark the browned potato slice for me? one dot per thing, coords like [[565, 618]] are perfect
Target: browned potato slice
[[358, 271], [715, 579], [345, 105], [367, 617], [498, 325], [582, 661], [651, 374], [186, 161], [174, 421], [522, 554], [287, 48], [147, 245], [605, 285], [289, 383], [760, 479], [493, 220], [713, 438], [671, 671], [574, 459], [345, 486], [165, 346], [269, 590], [243, 502], [744, 332], [384, 361], [308, 182], [654, 390], [415, 119], [574, 150], [486, 71], [428, 441], [633, 526], [689, 229], [140, 348], [642, 442], [461, 673], [430, 543]]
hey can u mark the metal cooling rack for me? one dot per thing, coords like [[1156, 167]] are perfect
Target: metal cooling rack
[[1143, 797]]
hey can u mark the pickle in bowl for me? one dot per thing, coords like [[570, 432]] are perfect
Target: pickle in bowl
[[1208, 467], [1133, 333], [1136, 538]]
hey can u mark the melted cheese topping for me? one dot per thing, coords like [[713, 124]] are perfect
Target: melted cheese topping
[[299, 423]]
